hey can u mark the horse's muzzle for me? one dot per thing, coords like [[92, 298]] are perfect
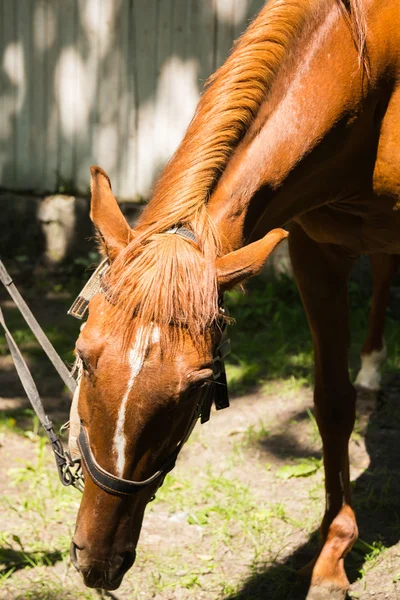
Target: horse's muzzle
[[103, 574]]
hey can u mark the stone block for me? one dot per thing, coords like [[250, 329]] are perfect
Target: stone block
[[66, 227]]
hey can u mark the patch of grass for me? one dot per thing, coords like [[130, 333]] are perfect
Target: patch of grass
[[22, 421], [46, 586], [304, 467], [13, 559], [271, 340], [231, 519], [371, 553], [43, 499], [37, 526], [254, 434]]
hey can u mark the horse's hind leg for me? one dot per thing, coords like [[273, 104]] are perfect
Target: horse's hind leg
[[373, 353], [321, 273]]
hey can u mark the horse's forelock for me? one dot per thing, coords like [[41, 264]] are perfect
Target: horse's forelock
[[167, 281]]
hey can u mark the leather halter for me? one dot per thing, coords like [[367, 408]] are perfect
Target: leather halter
[[124, 487]]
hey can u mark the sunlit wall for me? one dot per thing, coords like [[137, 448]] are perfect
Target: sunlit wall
[[108, 82]]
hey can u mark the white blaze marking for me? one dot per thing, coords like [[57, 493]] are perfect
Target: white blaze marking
[[136, 360], [369, 376]]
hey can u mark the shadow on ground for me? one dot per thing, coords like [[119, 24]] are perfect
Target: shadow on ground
[[19, 559]]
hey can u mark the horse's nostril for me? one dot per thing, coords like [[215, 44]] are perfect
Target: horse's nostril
[[129, 559], [73, 554], [125, 560]]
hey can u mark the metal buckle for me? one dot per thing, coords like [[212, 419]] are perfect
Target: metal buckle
[[71, 473], [216, 367], [92, 287]]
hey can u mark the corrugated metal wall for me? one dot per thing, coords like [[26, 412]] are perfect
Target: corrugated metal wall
[[111, 82]]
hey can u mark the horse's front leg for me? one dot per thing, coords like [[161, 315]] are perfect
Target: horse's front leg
[[321, 273]]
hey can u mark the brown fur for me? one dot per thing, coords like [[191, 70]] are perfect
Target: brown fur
[[230, 103]]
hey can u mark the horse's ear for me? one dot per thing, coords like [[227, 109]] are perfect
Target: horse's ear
[[106, 215], [235, 267]]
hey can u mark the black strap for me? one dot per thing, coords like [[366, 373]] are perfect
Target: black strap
[[218, 392], [126, 487], [117, 485]]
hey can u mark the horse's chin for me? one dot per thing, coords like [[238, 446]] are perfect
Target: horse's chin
[[102, 583], [104, 579]]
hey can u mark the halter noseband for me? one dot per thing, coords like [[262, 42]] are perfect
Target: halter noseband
[[124, 487], [117, 485]]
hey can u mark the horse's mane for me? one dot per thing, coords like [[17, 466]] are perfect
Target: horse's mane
[[158, 277], [355, 12]]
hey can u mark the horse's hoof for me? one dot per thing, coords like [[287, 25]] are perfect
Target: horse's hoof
[[326, 592]]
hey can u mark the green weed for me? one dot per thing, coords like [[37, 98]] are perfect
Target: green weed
[[371, 553], [271, 339], [254, 434], [303, 468]]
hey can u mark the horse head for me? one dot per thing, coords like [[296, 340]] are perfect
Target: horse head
[[145, 376]]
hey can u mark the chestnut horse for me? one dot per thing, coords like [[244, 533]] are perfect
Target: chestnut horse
[[301, 125]]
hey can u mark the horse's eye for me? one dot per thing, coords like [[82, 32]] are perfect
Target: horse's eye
[[196, 386], [200, 380]]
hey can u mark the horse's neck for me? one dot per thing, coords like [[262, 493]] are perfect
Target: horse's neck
[[290, 158]]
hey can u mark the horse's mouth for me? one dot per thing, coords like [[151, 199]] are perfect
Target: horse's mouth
[[93, 581]]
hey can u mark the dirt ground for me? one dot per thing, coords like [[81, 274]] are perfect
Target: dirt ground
[[235, 449], [235, 520]]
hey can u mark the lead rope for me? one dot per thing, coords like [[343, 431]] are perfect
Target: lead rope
[[69, 470], [36, 329]]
